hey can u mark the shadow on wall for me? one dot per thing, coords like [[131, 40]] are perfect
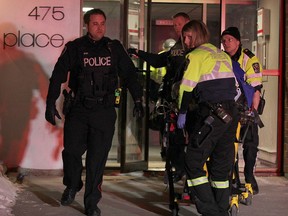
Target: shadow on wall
[[23, 86]]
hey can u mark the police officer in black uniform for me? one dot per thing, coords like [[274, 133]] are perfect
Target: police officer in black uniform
[[173, 60], [94, 62]]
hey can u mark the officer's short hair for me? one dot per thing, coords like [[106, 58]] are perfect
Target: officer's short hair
[[93, 11], [200, 32], [181, 14]]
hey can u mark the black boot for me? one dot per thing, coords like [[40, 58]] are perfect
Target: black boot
[[68, 196], [93, 212]]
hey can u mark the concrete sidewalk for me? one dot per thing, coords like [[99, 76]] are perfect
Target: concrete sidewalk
[[135, 194]]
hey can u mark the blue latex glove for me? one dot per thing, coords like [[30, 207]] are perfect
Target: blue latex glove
[[181, 120]]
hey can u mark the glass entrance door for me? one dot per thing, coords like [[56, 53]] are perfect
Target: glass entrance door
[[162, 31], [134, 140], [126, 22]]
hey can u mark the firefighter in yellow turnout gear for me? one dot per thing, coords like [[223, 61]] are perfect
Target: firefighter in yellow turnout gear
[[208, 77]]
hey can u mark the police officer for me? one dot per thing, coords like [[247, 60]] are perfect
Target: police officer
[[94, 62], [231, 41], [210, 77], [159, 73], [173, 59]]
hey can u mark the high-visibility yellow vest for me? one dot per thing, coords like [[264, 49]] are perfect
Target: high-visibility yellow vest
[[205, 63], [157, 74], [253, 69]]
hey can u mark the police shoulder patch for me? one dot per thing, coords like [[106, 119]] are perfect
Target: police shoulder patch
[[248, 53], [256, 67]]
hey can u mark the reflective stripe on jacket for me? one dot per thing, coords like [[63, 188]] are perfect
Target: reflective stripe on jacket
[[253, 69], [205, 63]]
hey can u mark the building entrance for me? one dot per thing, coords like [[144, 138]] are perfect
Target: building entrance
[[147, 25]]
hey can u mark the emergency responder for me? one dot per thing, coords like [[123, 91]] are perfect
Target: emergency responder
[[210, 77], [172, 60], [94, 62], [231, 41], [157, 74]]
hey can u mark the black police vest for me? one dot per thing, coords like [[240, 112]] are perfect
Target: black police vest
[[98, 77], [175, 59]]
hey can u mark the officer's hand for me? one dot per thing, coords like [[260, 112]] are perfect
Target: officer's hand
[[132, 51], [181, 120], [50, 114], [138, 110]]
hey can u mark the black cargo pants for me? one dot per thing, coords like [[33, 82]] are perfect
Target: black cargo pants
[[88, 130], [211, 190], [250, 150]]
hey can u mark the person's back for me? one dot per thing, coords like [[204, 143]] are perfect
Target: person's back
[[208, 75], [200, 65]]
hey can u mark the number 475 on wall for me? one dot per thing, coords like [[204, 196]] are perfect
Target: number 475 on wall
[[42, 12]]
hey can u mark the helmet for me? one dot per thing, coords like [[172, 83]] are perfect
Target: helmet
[[169, 43]]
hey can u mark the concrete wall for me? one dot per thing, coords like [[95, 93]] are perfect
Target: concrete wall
[[268, 54]]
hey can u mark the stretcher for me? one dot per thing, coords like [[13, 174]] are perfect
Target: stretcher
[[240, 193], [169, 113]]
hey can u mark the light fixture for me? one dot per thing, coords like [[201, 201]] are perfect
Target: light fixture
[[85, 9]]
